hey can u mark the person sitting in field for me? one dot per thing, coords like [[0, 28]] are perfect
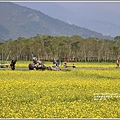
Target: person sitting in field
[[73, 65], [117, 63], [39, 63], [12, 65], [65, 64]]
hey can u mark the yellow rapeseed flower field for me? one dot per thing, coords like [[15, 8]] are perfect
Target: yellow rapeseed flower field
[[60, 94]]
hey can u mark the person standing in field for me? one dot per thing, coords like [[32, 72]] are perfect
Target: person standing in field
[[117, 63], [55, 63], [12, 65]]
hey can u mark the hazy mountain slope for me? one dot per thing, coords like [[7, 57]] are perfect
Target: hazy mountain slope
[[97, 16], [19, 21]]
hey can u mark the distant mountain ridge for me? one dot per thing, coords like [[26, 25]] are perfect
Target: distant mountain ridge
[[18, 21], [97, 16]]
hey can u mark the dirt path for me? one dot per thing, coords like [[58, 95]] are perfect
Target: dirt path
[[67, 69]]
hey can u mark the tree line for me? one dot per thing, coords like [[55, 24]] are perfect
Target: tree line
[[74, 48]]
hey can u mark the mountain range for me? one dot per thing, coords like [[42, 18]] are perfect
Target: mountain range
[[20, 21], [102, 17]]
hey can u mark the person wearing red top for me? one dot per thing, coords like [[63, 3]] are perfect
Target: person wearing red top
[[65, 64], [117, 63]]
